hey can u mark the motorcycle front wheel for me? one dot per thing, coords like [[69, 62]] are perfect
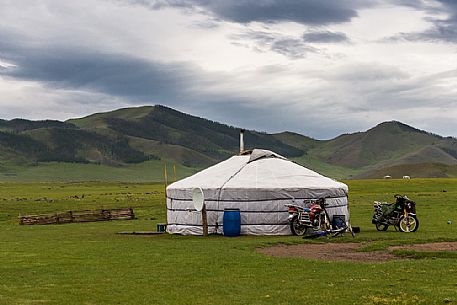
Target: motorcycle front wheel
[[296, 227], [410, 223], [381, 227]]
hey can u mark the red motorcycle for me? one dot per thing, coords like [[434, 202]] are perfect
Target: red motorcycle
[[312, 216]]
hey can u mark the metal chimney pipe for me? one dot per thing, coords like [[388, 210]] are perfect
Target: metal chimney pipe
[[241, 141]]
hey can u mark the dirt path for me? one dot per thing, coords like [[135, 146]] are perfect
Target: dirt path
[[348, 251], [329, 252], [430, 247]]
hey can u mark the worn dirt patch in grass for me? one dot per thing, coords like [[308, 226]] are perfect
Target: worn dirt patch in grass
[[430, 247], [329, 252]]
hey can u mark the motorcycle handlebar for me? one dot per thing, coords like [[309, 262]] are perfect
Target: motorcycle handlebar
[[306, 202], [293, 205], [397, 196]]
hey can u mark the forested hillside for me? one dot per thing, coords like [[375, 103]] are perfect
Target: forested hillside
[[158, 134]]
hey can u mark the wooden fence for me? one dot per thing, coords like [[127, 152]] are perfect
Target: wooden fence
[[77, 216]]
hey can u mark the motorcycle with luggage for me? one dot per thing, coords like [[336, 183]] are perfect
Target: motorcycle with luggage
[[401, 214]]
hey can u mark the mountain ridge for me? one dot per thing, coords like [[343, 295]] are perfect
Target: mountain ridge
[[159, 133]]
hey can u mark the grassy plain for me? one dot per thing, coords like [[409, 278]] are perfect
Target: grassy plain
[[72, 172], [90, 264]]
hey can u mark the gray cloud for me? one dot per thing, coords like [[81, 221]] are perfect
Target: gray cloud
[[113, 74], [384, 89], [292, 48], [346, 100], [439, 33], [262, 38], [346, 103], [325, 37], [244, 11], [443, 30], [289, 46], [87, 77]]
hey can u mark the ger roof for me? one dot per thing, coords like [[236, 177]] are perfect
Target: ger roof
[[262, 169]]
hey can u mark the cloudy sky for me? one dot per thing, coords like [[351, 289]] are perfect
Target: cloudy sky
[[317, 67]]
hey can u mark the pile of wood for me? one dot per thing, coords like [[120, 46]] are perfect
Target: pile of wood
[[77, 216]]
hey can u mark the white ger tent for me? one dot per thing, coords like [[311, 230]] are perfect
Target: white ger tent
[[259, 184]]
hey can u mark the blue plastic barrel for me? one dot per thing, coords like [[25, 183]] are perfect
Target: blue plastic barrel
[[232, 222]]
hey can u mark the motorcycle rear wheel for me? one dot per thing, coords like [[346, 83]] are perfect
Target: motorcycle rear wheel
[[408, 224], [381, 227], [296, 228]]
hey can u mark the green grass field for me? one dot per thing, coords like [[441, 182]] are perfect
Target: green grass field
[[88, 263], [73, 172]]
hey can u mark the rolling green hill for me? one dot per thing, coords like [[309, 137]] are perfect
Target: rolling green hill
[[122, 144], [187, 139], [388, 141], [390, 148]]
